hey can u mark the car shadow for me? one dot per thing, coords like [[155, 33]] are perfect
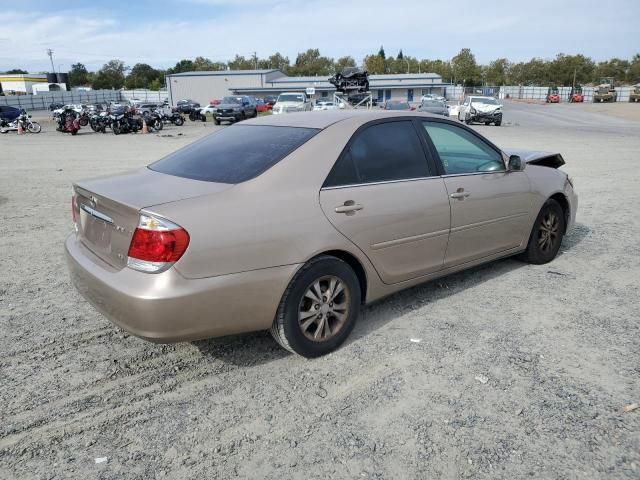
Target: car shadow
[[380, 312], [257, 348], [243, 350]]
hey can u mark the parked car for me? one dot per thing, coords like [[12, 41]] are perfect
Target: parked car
[[325, 104], [234, 109], [480, 109], [270, 100], [209, 109], [290, 102], [55, 106], [227, 236], [9, 114], [143, 108], [261, 105], [397, 105], [187, 106], [437, 107]]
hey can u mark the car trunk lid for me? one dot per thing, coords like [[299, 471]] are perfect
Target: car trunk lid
[[107, 209]]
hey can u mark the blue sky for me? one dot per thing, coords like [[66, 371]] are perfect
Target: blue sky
[[161, 32]]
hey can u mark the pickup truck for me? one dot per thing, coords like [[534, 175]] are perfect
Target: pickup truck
[[289, 102]]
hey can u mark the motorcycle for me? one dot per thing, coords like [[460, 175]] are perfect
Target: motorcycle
[[195, 116], [23, 120], [68, 122], [83, 119], [174, 118], [153, 120], [124, 123], [99, 122]]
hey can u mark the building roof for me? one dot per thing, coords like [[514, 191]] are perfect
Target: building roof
[[223, 72]]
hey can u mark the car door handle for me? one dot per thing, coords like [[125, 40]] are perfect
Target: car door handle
[[350, 207], [460, 194]]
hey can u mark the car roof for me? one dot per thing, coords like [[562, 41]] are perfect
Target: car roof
[[324, 118]]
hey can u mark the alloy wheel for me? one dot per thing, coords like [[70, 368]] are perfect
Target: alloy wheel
[[324, 308], [548, 231]]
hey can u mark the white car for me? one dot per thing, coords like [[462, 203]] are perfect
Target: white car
[[75, 108], [290, 102], [480, 109], [208, 109], [324, 104]]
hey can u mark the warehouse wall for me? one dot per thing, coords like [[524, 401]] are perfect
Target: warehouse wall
[[203, 88]]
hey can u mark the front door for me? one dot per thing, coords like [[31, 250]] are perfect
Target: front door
[[382, 196], [489, 205]]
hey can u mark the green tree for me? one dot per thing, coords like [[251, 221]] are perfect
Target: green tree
[[182, 66], [439, 67], [241, 63], [344, 62], [17, 71], [111, 75], [156, 85], [634, 69], [465, 68], [311, 63], [400, 55], [202, 64], [141, 76], [78, 75], [381, 52], [277, 60], [375, 64], [615, 67], [497, 72], [563, 67]]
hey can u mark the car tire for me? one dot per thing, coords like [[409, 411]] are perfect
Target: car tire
[[546, 235], [467, 120], [459, 118], [497, 124], [216, 121], [298, 299], [255, 113], [487, 123]]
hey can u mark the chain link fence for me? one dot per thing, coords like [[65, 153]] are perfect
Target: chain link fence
[[43, 100], [522, 92]]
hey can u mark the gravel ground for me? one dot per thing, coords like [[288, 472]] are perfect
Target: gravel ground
[[506, 371]]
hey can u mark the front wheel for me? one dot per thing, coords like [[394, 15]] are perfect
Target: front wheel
[[178, 121], [497, 124], [216, 121], [34, 127], [157, 125], [319, 308], [467, 120], [547, 233]]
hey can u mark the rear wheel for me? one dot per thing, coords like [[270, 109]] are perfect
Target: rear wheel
[[546, 235], [319, 308], [34, 127], [487, 123], [216, 121], [497, 124]]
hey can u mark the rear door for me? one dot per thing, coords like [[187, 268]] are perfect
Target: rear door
[[382, 195], [489, 205]]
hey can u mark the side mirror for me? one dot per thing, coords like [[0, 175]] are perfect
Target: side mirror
[[515, 163]]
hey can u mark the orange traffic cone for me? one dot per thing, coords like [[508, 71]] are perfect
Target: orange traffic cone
[[20, 129], [145, 129]]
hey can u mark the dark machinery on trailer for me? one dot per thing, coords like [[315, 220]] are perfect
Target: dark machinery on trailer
[[351, 80]]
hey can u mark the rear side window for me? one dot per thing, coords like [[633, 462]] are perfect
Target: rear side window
[[381, 152], [235, 154]]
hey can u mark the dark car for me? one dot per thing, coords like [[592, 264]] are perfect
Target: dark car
[[234, 109], [55, 105], [187, 106], [437, 107], [9, 113], [270, 100], [397, 106]]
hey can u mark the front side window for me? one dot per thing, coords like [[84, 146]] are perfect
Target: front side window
[[235, 154], [462, 152], [379, 153]]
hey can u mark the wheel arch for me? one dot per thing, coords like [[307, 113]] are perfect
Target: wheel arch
[[564, 204], [355, 264]]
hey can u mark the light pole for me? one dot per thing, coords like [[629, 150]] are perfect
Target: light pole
[[408, 68]]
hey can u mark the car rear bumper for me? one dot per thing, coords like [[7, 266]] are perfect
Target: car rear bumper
[[167, 307]]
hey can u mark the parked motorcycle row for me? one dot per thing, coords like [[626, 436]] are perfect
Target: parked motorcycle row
[[21, 121], [119, 119]]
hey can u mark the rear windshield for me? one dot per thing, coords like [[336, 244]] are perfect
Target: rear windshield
[[235, 154]]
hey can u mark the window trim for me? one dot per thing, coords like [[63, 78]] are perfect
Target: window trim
[[430, 163], [434, 150]]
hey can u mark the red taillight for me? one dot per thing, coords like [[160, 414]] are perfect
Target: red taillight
[[158, 246]]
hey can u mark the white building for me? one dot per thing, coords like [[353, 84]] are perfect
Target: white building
[[10, 82], [205, 86]]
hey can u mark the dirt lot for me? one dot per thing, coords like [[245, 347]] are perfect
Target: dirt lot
[[558, 346]]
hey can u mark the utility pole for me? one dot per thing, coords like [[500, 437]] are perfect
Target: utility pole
[[50, 53], [255, 60]]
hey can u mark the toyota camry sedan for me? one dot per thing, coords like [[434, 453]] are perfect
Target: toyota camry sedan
[[293, 222]]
